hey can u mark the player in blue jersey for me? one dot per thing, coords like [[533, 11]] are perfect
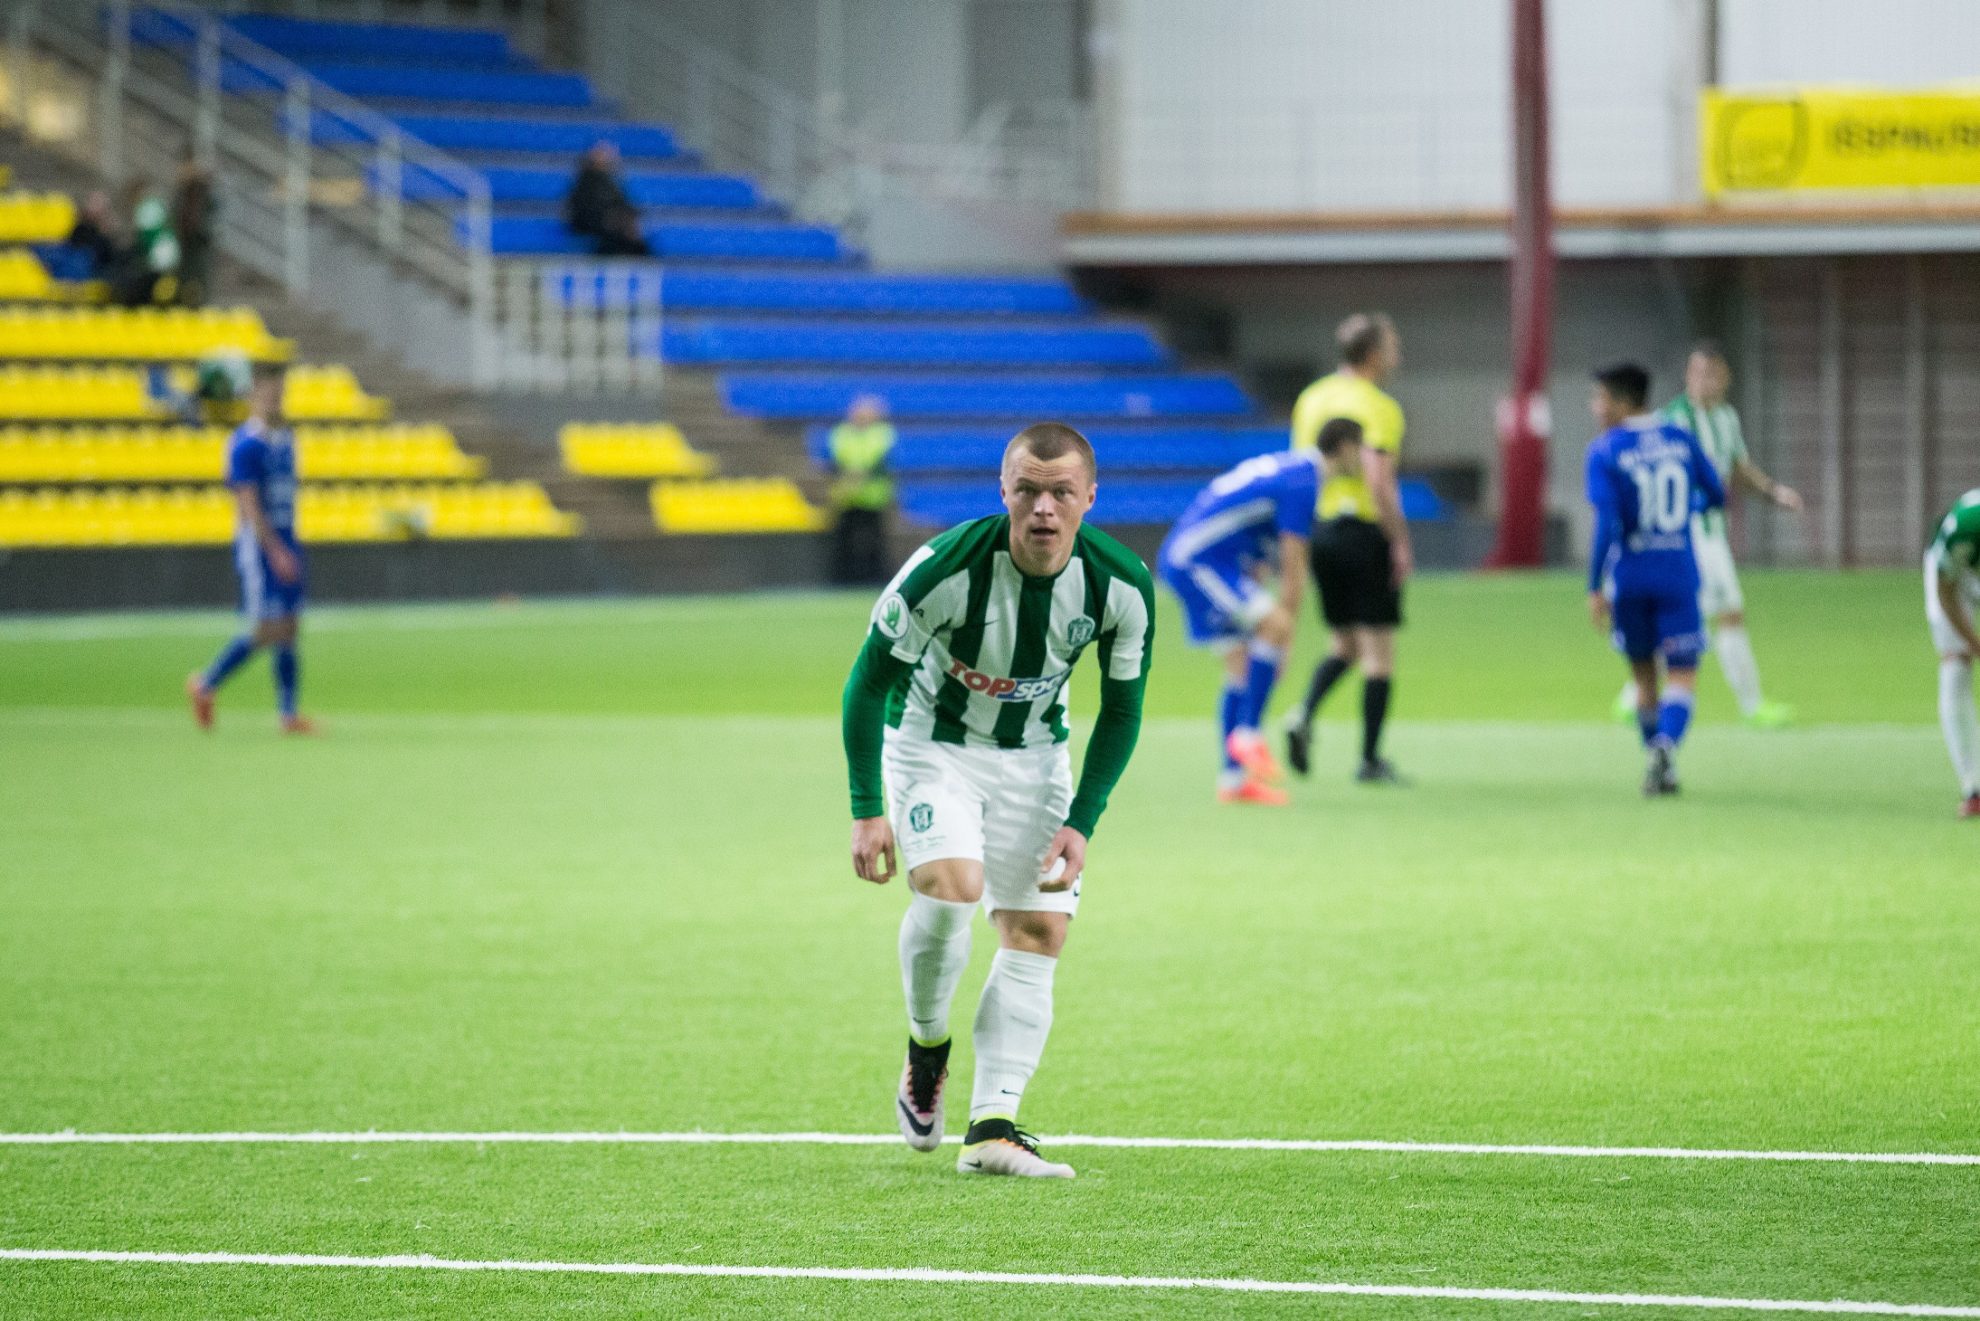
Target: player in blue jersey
[[1257, 515], [1646, 478], [261, 472]]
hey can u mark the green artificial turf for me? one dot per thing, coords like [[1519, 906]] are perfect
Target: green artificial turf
[[581, 867]]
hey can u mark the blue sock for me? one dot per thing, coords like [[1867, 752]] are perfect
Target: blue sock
[[1259, 676], [285, 679], [231, 658], [1230, 717], [1674, 717]]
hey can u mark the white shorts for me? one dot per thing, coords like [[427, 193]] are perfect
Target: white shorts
[[1718, 580], [1945, 638], [997, 806]]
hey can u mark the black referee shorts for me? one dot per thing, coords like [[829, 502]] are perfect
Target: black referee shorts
[[1351, 567]]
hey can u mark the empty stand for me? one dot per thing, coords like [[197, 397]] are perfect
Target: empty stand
[[1151, 447], [198, 454], [36, 217], [806, 395], [631, 449], [737, 505], [147, 333], [919, 343]]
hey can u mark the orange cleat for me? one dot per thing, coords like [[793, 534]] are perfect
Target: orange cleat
[[1251, 791], [1247, 748], [300, 725], [201, 698]]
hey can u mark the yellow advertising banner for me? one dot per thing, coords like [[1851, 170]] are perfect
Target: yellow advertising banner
[[1836, 138]]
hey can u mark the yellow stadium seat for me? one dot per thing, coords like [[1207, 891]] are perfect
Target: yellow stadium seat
[[737, 505], [135, 333], [36, 217], [182, 454], [637, 449]]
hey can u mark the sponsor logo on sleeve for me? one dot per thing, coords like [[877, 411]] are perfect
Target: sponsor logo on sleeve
[[890, 616]]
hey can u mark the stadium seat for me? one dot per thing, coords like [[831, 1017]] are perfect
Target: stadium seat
[[928, 448], [918, 343], [734, 505], [799, 395], [548, 136], [36, 217], [305, 39], [753, 241], [548, 185], [630, 449], [432, 82], [25, 279], [716, 289], [198, 454], [196, 515], [102, 393], [147, 333]]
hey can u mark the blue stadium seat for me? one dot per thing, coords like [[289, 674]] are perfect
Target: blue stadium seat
[[304, 39], [923, 343], [669, 188], [748, 242], [1119, 501], [809, 395], [713, 290], [554, 137], [1154, 447], [440, 83]]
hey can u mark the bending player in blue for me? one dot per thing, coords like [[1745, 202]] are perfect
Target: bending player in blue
[[1258, 514], [261, 472], [1646, 477]]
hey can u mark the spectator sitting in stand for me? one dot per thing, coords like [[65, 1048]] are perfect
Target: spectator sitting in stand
[[147, 272], [92, 249], [598, 208], [193, 209]]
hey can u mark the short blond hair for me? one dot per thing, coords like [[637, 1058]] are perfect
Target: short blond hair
[[1361, 335], [1054, 440]]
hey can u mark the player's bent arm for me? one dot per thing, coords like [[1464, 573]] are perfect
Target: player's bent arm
[[863, 719], [1383, 484], [1748, 474], [280, 557], [1292, 571], [1115, 732], [1957, 614]]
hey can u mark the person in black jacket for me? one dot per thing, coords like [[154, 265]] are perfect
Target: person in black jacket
[[93, 241], [598, 209]]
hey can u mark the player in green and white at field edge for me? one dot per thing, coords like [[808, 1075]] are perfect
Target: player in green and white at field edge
[[955, 735], [1952, 590], [1703, 411]]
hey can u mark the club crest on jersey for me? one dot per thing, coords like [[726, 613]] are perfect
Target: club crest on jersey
[[920, 817], [891, 615], [1079, 632], [1006, 690]]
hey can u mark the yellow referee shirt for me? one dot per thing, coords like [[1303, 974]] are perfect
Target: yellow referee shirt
[[1344, 394]]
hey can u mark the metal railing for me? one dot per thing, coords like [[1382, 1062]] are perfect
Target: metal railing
[[526, 21], [580, 325], [294, 157]]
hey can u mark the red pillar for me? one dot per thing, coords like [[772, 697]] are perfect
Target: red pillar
[[1524, 421]]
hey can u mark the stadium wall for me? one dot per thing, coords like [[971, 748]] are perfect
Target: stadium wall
[[1285, 105]]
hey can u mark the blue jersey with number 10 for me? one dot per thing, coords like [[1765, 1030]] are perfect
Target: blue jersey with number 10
[[1646, 479]]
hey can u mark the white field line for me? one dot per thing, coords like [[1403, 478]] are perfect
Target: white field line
[[925, 1275], [371, 1136]]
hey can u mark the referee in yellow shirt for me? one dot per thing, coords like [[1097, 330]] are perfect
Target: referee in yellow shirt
[[1360, 550]]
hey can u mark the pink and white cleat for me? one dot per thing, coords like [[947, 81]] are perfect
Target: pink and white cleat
[[918, 1105]]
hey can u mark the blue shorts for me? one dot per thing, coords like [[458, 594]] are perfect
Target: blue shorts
[[1659, 621], [1220, 601], [263, 595]]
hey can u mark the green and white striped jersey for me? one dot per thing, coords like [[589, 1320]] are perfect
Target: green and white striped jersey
[[1956, 548], [992, 648], [1719, 435]]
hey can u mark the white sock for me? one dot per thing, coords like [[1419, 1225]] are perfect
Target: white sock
[[934, 952], [1961, 722], [1012, 1021], [1741, 670]]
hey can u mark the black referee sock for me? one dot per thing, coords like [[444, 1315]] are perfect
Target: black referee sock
[[1325, 677], [1374, 711]]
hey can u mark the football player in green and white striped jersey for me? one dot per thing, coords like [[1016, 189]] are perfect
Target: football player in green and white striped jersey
[[1703, 411], [955, 728], [1952, 592]]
